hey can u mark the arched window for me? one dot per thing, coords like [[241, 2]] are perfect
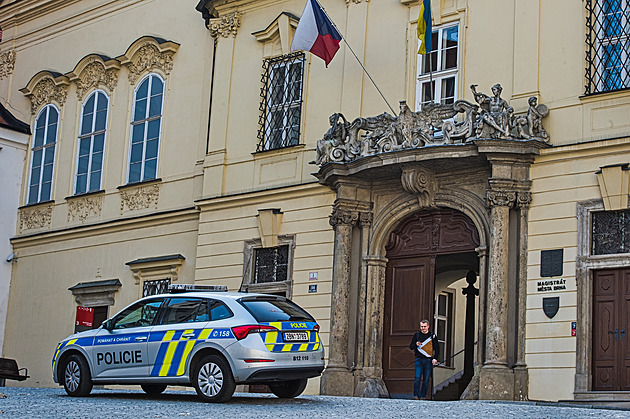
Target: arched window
[[145, 129], [91, 143], [43, 155]]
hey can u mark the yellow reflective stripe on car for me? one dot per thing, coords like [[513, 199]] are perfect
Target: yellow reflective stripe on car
[[204, 334], [182, 363], [168, 358], [271, 338]]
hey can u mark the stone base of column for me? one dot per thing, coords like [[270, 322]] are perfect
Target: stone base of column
[[337, 382], [371, 387], [521, 383], [496, 383]]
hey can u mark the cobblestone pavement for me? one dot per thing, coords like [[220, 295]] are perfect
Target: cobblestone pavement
[[54, 403]]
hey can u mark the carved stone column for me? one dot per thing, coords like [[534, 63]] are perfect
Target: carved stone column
[[496, 379], [337, 378], [371, 382], [364, 222], [521, 379]]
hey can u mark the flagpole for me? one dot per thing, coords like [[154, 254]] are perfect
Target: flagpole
[[358, 60]]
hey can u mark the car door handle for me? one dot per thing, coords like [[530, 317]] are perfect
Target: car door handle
[[188, 335], [141, 338]]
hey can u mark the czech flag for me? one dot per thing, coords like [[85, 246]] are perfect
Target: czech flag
[[316, 33], [424, 28]]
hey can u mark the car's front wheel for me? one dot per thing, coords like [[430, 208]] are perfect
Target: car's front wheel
[[77, 380], [213, 379], [153, 389], [288, 389]]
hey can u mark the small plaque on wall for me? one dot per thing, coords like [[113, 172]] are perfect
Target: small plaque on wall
[[312, 288], [551, 262]]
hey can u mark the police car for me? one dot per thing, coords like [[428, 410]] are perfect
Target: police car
[[201, 336]]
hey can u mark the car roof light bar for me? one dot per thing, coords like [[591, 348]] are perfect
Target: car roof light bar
[[175, 288]]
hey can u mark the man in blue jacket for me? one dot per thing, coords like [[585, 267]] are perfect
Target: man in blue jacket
[[425, 346]]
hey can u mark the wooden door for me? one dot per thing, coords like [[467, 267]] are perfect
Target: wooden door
[[611, 312], [408, 299]]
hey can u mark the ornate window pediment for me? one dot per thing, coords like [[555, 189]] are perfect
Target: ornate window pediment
[[46, 87], [149, 54], [93, 72], [277, 36]]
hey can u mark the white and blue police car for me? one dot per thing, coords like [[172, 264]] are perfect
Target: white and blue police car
[[201, 336]]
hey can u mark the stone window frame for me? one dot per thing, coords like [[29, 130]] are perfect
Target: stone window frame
[[91, 136], [156, 268], [96, 293], [585, 265], [249, 251]]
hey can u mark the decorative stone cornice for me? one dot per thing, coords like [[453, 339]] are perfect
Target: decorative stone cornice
[[499, 198], [421, 182], [81, 208], [355, 1], [7, 62], [92, 72], [44, 88], [225, 26], [148, 54], [36, 217], [139, 197]]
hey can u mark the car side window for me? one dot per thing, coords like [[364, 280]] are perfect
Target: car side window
[[140, 314], [185, 310], [219, 310]]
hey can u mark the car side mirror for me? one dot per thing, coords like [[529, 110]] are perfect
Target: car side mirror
[[108, 324]]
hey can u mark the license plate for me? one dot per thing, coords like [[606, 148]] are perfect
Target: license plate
[[300, 357], [296, 337]]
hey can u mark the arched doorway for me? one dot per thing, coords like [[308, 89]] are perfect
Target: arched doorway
[[438, 243]]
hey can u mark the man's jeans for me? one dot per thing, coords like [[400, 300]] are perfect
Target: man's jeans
[[424, 366]]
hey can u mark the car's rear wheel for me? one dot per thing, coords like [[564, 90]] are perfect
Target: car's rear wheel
[[153, 389], [77, 380], [288, 389], [213, 379]]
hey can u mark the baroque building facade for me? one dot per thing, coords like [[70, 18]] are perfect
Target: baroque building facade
[[194, 147]]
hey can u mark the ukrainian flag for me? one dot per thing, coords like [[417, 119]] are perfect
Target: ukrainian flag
[[424, 28]]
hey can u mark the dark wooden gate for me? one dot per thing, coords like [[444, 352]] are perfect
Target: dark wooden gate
[[611, 351], [409, 284]]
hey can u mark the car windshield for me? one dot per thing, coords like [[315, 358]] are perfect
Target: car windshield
[[271, 310]]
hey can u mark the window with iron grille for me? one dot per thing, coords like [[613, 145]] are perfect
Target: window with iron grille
[[271, 264], [607, 45], [281, 102], [611, 232], [155, 287], [437, 71]]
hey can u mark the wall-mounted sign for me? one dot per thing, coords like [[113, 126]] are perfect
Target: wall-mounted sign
[[312, 288], [85, 316], [550, 306], [551, 285], [312, 276], [573, 328], [551, 262]]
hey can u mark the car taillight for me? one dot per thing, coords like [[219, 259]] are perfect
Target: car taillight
[[316, 328], [241, 332]]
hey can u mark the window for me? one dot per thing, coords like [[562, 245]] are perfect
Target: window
[[140, 314], [443, 314], [608, 45], [43, 155], [281, 104], [91, 143], [274, 310], [219, 311], [271, 264], [185, 310], [437, 71], [611, 232], [145, 129], [154, 287]]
